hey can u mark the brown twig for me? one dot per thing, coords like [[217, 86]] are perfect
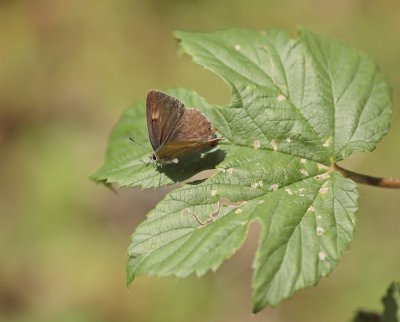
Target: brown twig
[[393, 183]]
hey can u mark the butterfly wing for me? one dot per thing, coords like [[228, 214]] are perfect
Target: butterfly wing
[[163, 113], [194, 127], [192, 133]]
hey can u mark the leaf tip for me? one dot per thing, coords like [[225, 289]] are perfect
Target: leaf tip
[[130, 271], [178, 34], [257, 307], [100, 180], [94, 176]]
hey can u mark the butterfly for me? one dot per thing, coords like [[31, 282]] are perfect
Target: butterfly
[[176, 131]]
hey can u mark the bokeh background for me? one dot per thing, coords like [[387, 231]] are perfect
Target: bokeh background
[[67, 71]]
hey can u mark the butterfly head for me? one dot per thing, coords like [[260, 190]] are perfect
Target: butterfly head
[[152, 158]]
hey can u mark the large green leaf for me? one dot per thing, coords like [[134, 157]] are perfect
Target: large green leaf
[[298, 107]]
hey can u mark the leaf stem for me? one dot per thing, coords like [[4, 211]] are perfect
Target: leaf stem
[[392, 183]]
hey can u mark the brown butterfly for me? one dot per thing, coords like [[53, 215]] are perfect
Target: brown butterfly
[[174, 130]]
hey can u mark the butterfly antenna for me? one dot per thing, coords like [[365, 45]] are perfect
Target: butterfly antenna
[[133, 140]]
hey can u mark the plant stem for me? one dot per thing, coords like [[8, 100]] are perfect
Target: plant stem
[[393, 183]]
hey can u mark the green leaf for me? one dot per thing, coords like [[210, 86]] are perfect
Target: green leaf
[[391, 302], [298, 106], [367, 317], [330, 97], [391, 313]]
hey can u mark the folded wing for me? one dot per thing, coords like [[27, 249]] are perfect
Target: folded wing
[[193, 133], [163, 114]]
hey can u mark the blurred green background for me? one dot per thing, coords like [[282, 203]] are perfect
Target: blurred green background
[[67, 71]]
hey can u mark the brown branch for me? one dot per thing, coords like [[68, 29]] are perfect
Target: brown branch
[[393, 183]]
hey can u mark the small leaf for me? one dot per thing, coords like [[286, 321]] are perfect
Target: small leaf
[[367, 317], [298, 106], [391, 312], [391, 301]]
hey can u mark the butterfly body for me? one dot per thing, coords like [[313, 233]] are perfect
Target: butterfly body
[[175, 131]]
